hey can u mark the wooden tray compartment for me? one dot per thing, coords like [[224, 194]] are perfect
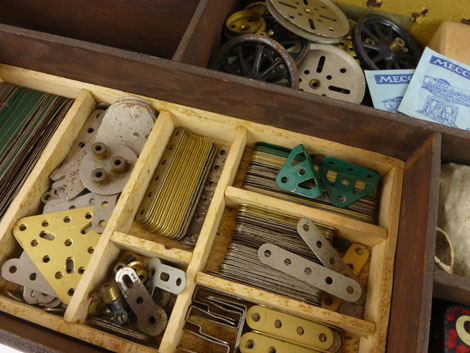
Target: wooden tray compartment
[[149, 27], [116, 236], [379, 238]]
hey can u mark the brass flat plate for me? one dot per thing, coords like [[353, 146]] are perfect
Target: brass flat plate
[[293, 329], [316, 20], [254, 342], [60, 244]]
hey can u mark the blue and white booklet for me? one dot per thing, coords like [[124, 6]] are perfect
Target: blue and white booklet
[[387, 87], [439, 91]]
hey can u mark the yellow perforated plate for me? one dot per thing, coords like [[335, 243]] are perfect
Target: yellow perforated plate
[[60, 244]]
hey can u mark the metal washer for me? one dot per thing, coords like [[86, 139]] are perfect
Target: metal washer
[[319, 21], [329, 71]]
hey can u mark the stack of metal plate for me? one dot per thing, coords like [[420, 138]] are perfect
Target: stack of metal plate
[[266, 162], [256, 226], [182, 187], [28, 119]]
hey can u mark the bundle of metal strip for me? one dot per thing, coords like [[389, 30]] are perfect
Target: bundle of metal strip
[[28, 119], [173, 194], [256, 226], [266, 162]]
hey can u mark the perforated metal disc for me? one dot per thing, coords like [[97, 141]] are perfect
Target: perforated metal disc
[[330, 71], [316, 20]]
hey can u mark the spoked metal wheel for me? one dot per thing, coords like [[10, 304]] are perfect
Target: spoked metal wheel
[[381, 44], [259, 58]]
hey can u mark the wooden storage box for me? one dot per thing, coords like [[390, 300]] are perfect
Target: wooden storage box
[[121, 233]]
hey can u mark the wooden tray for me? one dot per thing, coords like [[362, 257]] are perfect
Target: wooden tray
[[120, 232]]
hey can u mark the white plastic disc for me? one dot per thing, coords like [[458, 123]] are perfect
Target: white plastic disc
[[330, 71], [316, 20]]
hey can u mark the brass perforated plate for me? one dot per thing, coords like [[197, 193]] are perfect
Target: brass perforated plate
[[316, 20], [176, 187], [60, 244], [293, 329]]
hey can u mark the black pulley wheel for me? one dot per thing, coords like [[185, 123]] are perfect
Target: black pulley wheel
[[381, 44], [259, 58]]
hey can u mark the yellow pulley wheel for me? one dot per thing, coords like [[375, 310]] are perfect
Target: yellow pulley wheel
[[259, 7], [347, 46], [244, 22]]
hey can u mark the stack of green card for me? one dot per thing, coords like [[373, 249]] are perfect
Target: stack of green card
[[28, 119]]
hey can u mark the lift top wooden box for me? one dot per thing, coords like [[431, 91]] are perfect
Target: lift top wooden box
[[419, 145]]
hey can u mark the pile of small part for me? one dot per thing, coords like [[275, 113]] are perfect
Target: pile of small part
[[310, 45], [137, 302], [58, 244]]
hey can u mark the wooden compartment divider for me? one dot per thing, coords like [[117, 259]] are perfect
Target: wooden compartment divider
[[118, 235]]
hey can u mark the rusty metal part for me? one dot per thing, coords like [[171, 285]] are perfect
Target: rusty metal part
[[66, 176], [99, 176], [112, 298], [318, 21], [128, 121], [104, 206], [151, 319], [119, 330], [259, 58], [99, 150], [381, 44]]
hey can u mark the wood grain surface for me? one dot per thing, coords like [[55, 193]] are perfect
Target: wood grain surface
[[414, 262]]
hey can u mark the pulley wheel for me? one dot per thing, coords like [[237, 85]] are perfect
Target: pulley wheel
[[244, 22], [259, 58], [259, 7], [381, 44], [316, 20], [330, 71]]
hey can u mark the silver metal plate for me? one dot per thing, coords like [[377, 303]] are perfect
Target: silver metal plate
[[104, 206], [33, 297], [316, 20], [166, 277], [116, 182], [22, 271], [330, 71], [310, 272], [127, 121], [58, 205], [325, 252], [151, 319], [66, 177]]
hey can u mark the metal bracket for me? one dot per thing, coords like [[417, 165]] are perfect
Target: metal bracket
[[166, 277], [351, 183], [310, 272], [104, 206], [292, 175], [151, 318], [23, 272]]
